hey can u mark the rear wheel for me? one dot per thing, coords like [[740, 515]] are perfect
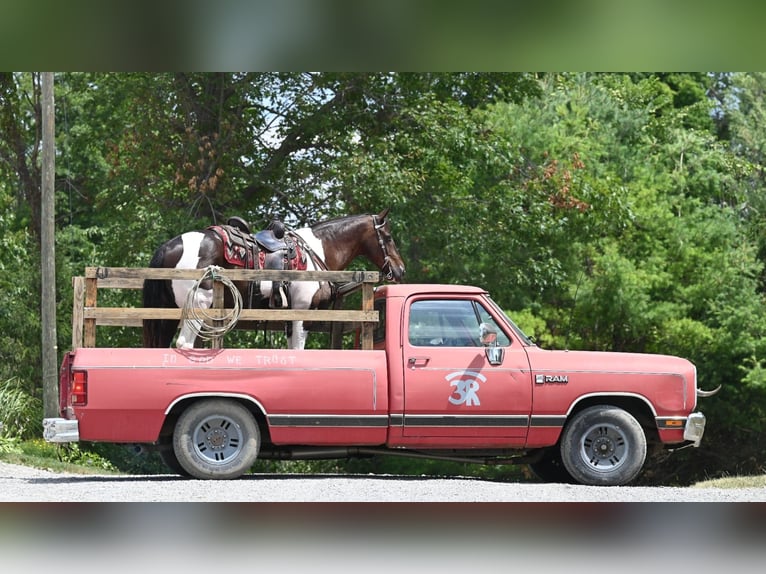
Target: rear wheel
[[603, 445], [168, 456], [216, 439], [550, 467]]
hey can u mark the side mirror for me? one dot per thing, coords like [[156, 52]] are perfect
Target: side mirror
[[488, 338]]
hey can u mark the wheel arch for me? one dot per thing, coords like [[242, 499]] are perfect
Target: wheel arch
[[180, 404], [637, 405]]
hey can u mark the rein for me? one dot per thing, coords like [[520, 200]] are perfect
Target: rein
[[386, 259]]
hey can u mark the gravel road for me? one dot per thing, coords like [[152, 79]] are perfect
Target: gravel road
[[468, 536], [24, 484]]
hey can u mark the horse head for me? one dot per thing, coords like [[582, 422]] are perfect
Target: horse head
[[385, 254]]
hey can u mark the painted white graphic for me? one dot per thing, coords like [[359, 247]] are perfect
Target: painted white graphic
[[467, 386]]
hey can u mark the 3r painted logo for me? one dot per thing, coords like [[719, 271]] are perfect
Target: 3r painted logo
[[467, 385]]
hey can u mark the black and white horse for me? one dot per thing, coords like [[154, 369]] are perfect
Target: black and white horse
[[328, 245]]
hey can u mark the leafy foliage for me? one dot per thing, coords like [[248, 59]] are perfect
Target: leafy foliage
[[604, 211], [20, 413]]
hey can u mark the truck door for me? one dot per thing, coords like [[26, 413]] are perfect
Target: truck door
[[450, 388]]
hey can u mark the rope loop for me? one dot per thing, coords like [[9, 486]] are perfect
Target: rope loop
[[204, 324]]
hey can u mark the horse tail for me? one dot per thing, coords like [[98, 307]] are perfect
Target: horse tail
[[156, 293]]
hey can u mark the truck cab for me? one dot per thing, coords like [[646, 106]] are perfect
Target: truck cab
[[445, 388], [449, 388]]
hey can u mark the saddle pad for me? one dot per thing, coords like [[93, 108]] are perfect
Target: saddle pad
[[240, 249]]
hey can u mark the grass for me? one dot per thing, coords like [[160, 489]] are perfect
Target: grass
[[728, 482], [37, 453], [52, 464]]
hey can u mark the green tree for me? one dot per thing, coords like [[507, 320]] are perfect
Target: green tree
[[20, 180], [606, 211]]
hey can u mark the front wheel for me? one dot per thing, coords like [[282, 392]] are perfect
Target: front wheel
[[216, 438], [603, 445], [550, 468]]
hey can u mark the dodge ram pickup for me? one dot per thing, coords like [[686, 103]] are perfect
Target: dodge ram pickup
[[449, 376]]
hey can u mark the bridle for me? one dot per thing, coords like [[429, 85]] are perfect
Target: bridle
[[386, 267]]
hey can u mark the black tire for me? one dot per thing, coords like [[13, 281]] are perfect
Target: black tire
[[216, 439], [550, 467], [168, 456], [604, 446]]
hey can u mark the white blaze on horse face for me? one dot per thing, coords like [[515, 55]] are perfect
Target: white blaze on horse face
[[203, 297]]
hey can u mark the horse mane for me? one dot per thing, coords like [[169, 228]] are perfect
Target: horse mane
[[348, 219]]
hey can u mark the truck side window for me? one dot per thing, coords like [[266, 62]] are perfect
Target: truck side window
[[449, 323]]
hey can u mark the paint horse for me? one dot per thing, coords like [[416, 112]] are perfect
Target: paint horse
[[328, 245]]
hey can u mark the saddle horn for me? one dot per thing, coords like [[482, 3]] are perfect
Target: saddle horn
[[277, 228]]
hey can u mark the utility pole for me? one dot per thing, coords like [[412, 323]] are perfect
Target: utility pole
[[48, 252]]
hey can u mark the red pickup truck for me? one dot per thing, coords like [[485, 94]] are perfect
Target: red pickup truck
[[450, 376]]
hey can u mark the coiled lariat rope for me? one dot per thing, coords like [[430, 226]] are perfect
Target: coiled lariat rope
[[205, 325]]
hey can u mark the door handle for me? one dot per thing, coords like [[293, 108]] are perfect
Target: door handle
[[415, 362]]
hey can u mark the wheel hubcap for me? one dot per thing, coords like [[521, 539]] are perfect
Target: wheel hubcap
[[604, 448], [217, 439]]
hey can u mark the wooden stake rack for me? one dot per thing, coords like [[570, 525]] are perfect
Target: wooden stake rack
[[86, 314]]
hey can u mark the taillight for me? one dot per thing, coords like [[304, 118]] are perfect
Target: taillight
[[79, 393]]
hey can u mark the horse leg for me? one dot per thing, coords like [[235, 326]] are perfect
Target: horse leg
[[297, 337], [301, 296], [158, 333], [203, 298], [196, 254]]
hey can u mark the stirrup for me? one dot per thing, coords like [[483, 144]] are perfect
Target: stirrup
[[280, 298]]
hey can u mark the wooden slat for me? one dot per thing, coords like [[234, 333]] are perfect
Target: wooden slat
[[141, 273], [87, 315], [368, 302], [138, 283], [78, 301], [89, 324], [313, 326], [129, 313], [121, 283], [217, 342], [112, 322]]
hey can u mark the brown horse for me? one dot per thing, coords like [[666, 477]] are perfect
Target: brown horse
[[328, 245]]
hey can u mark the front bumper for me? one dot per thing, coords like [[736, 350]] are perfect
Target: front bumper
[[695, 428], [61, 430]]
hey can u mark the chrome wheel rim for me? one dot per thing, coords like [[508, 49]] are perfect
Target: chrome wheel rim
[[218, 439], [604, 448]]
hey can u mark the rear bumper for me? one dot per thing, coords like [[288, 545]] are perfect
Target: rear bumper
[[61, 430], [694, 428]]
